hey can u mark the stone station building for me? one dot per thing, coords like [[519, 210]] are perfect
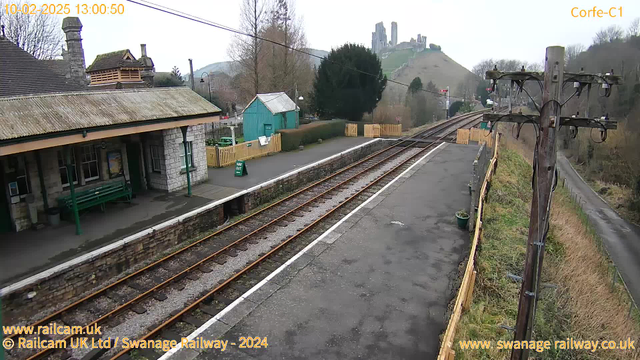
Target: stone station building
[[138, 137]]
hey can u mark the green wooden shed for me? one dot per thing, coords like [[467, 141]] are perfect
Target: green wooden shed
[[268, 113]]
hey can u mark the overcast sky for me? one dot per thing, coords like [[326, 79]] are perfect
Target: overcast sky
[[468, 31]]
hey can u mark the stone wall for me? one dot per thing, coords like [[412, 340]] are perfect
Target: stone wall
[[98, 271], [477, 178], [53, 182], [274, 190], [157, 179], [173, 148]]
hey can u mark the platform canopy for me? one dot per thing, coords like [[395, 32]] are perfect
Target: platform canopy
[[39, 121]]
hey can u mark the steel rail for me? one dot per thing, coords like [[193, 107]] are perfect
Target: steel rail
[[185, 271], [431, 130], [287, 241], [147, 267]]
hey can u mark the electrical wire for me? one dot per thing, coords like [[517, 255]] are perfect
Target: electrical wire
[[187, 16], [530, 97]]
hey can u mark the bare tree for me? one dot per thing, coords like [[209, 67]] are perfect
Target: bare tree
[[39, 35], [482, 67], [286, 67], [571, 53], [611, 34], [634, 28], [245, 50], [502, 64]]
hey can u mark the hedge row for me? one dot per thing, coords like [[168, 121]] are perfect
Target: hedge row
[[310, 133]]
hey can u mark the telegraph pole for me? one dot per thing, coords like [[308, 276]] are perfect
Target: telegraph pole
[[544, 177], [543, 180]]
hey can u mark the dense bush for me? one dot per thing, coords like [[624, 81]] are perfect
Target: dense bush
[[310, 133], [341, 91]]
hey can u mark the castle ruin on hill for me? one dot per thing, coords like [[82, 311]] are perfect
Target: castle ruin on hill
[[379, 42]]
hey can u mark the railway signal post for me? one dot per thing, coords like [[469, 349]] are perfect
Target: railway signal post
[[545, 174]]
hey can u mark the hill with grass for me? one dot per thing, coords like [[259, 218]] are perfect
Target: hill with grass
[[429, 65]]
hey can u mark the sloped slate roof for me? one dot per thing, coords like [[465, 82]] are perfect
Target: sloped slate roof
[[21, 73], [113, 60], [58, 66], [24, 116], [276, 102]]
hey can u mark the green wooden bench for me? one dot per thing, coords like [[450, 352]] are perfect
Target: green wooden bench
[[96, 196]]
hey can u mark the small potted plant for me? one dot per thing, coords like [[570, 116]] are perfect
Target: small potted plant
[[463, 218]]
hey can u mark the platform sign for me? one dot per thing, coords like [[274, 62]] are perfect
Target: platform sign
[[241, 168]]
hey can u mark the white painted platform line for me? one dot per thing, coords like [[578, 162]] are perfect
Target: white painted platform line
[[224, 311], [120, 243]]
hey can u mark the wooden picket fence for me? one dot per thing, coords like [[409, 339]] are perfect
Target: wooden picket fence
[[465, 293], [351, 130], [372, 130], [225, 156], [463, 136], [390, 129], [377, 130]]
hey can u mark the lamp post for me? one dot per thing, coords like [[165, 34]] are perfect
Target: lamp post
[[208, 83]]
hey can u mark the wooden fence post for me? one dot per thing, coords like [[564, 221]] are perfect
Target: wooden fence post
[[469, 297], [217, 156]]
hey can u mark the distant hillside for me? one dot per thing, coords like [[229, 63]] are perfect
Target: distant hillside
[[224, 66], [228, 68], [314, 60], [429, 65]]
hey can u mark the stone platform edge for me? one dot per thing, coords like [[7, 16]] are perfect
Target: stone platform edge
[[46, 274], [220, 324]]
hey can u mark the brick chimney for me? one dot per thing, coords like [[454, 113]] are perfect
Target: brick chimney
[[75, 54]]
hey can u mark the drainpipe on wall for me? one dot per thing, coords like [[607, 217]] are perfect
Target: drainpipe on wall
[[74, 204], [186, 158]]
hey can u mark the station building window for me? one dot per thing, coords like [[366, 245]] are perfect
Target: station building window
[[189, 156], [89, 160], [18, 177], [64, 177], [157, 158]]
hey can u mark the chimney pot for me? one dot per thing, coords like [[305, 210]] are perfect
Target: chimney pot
[[143, 50]]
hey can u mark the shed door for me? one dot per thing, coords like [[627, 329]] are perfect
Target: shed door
[[268, 130]]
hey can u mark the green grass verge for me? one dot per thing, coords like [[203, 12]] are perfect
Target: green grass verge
[[502, 251], [395, 59]]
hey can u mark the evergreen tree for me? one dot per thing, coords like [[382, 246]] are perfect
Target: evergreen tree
[[175, 73], [343, 87], [174, 79]]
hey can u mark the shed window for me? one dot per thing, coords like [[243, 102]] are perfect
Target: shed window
[[90, 163], [64, 178], [189, 155], [157, 158]]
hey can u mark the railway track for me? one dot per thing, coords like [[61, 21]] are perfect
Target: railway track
[[232, 259]]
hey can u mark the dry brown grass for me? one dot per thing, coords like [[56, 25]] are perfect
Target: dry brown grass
[[586, 304], [598, 309]]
